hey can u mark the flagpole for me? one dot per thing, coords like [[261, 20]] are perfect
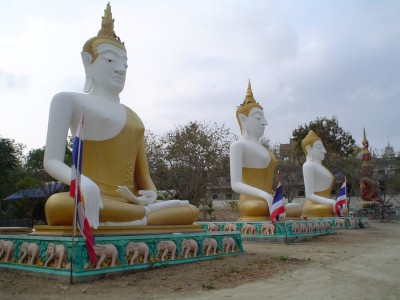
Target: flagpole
[[77, 184]]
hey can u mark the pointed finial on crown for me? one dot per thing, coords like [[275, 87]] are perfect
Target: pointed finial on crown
[[247, 104], [106, 35], [249, 94]]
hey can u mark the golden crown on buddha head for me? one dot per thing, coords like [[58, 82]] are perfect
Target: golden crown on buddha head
[[247, 104], [105, 35], [310, 138]]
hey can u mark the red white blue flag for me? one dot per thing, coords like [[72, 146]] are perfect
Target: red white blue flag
[[74, 191], [341, 201], [277, 204]]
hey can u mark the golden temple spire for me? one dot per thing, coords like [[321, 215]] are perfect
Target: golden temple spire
[[365, 141]]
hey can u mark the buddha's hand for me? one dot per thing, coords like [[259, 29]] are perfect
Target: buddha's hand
[[147, 196], [91, 195], [267, 197]]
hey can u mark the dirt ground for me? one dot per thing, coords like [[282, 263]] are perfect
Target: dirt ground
[[351, 264]]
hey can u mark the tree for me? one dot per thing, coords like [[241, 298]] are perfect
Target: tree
[[388, 175], [189, 158], [289, 169], [11, 160]]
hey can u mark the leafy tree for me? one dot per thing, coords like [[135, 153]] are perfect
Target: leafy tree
[[389, 182], [11, 160], [289, 169], [189, 158]]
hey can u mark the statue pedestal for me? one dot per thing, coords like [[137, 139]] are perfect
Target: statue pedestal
[[187, 243]]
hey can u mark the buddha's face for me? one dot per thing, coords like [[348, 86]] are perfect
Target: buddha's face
[[109, 69], [255, 123], [317, 151]]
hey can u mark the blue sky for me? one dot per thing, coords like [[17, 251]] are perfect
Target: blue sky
[[191, 60]]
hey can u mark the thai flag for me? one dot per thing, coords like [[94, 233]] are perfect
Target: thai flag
[[341, 201], [74, 191], [277, 204]]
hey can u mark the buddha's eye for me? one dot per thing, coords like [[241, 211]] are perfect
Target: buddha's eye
[[109, 60]]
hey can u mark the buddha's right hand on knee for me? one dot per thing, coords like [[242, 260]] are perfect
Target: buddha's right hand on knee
[[91, 195], [267, 197]]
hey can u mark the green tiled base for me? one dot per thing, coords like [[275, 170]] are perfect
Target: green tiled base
[[84, 271], [291, 230]]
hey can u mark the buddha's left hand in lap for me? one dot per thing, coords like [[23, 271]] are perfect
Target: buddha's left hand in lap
[[147, 196]]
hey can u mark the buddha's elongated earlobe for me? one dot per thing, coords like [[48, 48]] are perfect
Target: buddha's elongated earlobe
[[309, 154], [86, 59], [243, 125]]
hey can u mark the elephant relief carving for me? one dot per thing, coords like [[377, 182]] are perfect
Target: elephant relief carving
[[164, 248], [230, 227], [303, 228], [136, 249], [106, 251], [212, 227], [295, 228], [209, 246], [270, 229], [353, 222], [6, 249], [248, 229], [310, 227], [56, 252], [318, 227], [327, 226], [228, 244], [340, 222], [187, 246], [29, 251]]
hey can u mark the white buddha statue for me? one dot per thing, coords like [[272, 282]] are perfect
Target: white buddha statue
[[318, 180], [115, 184], [252, 165]]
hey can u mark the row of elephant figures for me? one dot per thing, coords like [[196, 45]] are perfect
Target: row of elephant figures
[[247, 228], [107, 254], [352, 222], [267, 228]]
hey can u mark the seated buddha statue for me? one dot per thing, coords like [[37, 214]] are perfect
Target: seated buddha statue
[[115, 184], [252, 165], [318, 180]]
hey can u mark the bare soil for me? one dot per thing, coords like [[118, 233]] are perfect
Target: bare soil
[[356, 264]]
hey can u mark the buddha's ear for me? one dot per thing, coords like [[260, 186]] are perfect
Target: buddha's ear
[[87, 59], [243, 126], [242, 119], [309, 152]]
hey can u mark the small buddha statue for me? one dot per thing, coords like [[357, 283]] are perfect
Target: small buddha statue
[[318, 180], [115, 183]]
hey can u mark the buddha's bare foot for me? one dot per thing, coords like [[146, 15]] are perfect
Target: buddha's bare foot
[[129, 223]]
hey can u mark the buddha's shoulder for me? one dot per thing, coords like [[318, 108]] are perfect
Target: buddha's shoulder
[[70, 97]]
